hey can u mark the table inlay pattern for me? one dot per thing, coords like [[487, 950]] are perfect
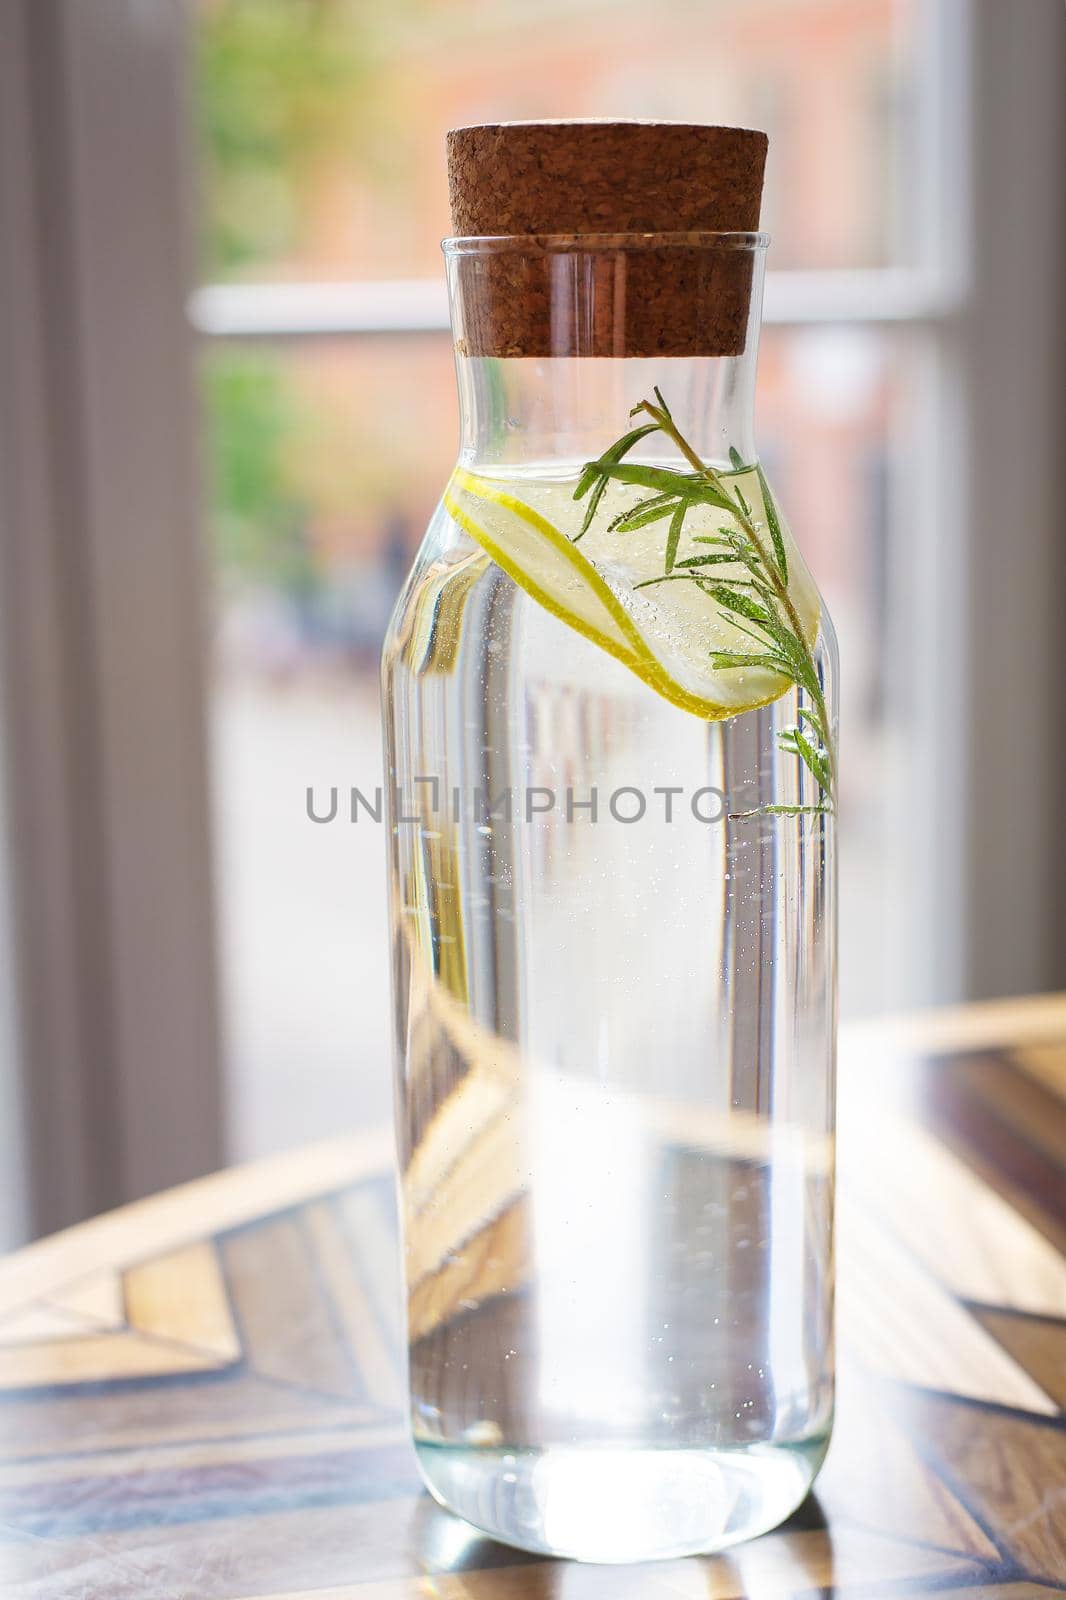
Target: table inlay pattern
[[202, 1395]]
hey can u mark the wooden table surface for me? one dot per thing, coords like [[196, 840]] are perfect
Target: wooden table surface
[[201, 1395]]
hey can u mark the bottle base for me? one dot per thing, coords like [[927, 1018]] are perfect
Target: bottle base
[[620, 1503]]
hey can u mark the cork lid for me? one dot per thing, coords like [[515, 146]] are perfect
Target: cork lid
[[553, 187], [604, 177]]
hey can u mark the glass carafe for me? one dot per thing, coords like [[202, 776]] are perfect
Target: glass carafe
[[614, 925]]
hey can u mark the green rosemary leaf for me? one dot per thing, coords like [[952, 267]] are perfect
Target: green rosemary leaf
[[794, 648], [726, 556], [741, 588], [743, 546], [758, 638], [631, 524], [741, 658], [785, 645], [591, 509], [803, 666], [732, 600], [673, 537], [797, 811], [593, 469], [666, 480], [663, 479], [731, 583], [644, 512], [805, 674], [816, 760], [594, 473], [773, 523], [736, 459], [764, 588], [669, 577]]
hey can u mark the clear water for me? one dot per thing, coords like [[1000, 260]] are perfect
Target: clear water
[[615, 1085]]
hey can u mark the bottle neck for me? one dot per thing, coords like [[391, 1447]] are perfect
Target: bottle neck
[[557, 340], [563, 411]]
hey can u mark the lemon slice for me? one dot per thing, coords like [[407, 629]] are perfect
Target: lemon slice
[[666, 632]]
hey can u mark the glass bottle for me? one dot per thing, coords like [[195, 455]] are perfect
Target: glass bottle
[[615, 990]]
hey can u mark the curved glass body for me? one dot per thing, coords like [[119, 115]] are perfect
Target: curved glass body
[[614, 1023]]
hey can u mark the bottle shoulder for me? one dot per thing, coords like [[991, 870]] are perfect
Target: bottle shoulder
[[431, 602]]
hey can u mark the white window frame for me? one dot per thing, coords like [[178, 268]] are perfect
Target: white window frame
[[104, 717]]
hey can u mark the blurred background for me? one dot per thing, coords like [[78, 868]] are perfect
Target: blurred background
[[227, 409]]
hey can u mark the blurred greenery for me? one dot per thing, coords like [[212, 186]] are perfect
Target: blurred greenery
[[280, 89], [259, 521]]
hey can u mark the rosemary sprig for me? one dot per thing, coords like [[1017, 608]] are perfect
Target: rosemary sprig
[[758, 604]]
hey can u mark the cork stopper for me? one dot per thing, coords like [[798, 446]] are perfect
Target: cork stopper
[[549, 186]]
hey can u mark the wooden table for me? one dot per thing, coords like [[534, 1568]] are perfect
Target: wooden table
[[202, 1394]]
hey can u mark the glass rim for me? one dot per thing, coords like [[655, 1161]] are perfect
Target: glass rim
[[591, 243]]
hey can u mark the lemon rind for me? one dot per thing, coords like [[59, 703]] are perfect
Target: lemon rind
[[640, 659]]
